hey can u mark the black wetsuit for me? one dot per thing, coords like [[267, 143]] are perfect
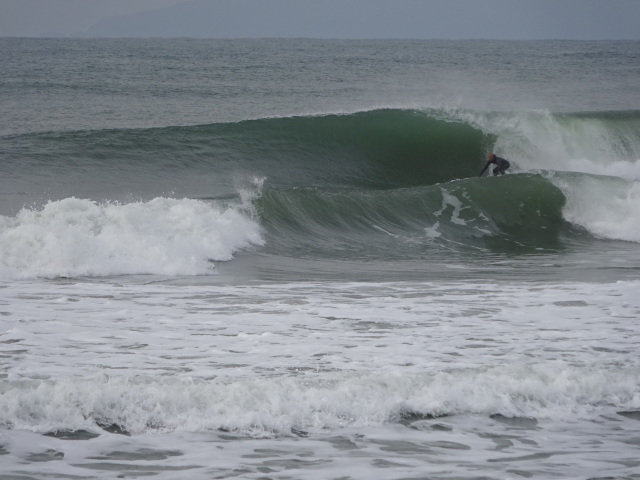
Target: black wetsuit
[[501, 166]]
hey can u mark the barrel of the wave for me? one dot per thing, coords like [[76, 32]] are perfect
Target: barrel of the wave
[[501, 165]]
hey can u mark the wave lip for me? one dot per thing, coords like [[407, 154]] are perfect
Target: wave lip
[[599, 143], [77, 237]]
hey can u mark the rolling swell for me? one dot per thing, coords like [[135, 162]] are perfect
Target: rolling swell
[[387, 148], [368, 185]]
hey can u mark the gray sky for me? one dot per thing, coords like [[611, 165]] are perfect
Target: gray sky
[[501, 19], [34, 18]]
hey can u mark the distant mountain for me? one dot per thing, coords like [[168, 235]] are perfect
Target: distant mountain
[[270, 18], [496, 19]]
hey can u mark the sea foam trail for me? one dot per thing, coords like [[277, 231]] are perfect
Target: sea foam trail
[[320, 401], [78, 237]]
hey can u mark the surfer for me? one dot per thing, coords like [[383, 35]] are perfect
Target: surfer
[[501, 164]]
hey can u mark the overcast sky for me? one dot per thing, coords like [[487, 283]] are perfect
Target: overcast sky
[[34, 18], [501, 19]]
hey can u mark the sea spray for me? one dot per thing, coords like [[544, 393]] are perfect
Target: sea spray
[[603, 143]]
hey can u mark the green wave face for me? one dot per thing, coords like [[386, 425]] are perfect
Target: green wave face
[[377, 149], [516, 213], [374, 149]]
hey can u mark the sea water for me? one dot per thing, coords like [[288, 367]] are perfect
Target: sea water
[[275, 259]]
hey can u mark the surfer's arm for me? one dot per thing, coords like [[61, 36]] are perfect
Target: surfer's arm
[[485, 167]]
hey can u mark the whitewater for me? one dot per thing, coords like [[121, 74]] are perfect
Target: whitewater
[[211, 269]]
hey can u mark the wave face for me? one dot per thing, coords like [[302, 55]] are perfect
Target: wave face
[[381, 184], [521, 210], [377, 149]]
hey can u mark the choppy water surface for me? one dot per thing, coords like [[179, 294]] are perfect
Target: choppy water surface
[[307, 380], [210, 268]]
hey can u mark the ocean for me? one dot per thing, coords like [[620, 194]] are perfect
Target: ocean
[[275, 259]]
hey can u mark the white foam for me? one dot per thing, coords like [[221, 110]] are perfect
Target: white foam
[[267, 406], [450, 200], [432, 232], [262, 359], [76, 237], [607, 207]]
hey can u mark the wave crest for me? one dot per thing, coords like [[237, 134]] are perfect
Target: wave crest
[[76, 237]]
